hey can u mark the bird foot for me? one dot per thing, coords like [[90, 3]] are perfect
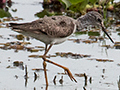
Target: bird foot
[[70, 74]]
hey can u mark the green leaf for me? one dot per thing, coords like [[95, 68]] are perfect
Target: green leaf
[[66, 2], [76, 1], [93, 1], [43, 13], [81, 32], [93, 33], [79, 7], [46, 12], [4, 13]]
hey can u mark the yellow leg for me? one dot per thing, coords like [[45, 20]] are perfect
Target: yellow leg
[[46, 60], [65, 68], [44, 66]]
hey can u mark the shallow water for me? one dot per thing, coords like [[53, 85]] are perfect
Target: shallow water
[[105, 75]]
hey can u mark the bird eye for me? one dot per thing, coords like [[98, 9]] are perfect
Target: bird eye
[[99, 20]]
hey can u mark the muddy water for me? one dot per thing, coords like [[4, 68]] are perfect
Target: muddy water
[[104, 74]]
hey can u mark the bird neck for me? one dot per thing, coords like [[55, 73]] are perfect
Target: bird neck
[[82, 22]]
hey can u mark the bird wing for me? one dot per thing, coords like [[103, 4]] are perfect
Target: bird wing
[[54, 26]]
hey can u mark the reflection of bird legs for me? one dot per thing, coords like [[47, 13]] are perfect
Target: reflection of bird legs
[[46, 60]]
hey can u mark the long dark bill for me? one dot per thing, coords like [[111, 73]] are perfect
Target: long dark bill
[[103, 28]]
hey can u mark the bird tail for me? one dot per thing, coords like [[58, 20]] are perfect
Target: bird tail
[[17, 25]]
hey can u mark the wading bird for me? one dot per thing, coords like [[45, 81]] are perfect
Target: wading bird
[[55, 30]]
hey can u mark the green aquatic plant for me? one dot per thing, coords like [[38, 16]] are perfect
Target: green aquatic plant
[[3, 13], [75, 5]]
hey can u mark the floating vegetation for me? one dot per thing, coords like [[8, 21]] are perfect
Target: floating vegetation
[[7, 19], [22, 46], [84, 41], [11, 19], [90, 33], [20, 37], [119, 34], [14, 45], [18, 64], [18, 47], [107, 46], [117, 45], [75, 40], [34, 50], [71, 55], [9, 66], [83, 75], [39, 47], [38, 69], [93, 33], [81, 32], [39, 56], [80, 75], [35, 56], [118, 29], [4, 13], [104, 60], [117, 42], [101, 60], [91, 39]]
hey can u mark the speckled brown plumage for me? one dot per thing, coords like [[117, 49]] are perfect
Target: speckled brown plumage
[[55, 26], [50, 29]]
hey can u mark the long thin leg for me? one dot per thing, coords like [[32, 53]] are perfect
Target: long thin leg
[[65, 68], [47, 49], [44, 62], [44, 66]]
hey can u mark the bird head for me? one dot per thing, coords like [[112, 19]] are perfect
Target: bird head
[[92, 18]]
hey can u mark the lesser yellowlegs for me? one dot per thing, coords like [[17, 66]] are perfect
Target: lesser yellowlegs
[[56, 29]]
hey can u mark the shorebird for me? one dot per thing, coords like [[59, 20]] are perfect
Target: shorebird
[[57, 29]]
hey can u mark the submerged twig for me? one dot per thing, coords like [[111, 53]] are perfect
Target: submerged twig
[[26, 75], [61, 80], [85, 79], [35, 76], [54, 80]]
